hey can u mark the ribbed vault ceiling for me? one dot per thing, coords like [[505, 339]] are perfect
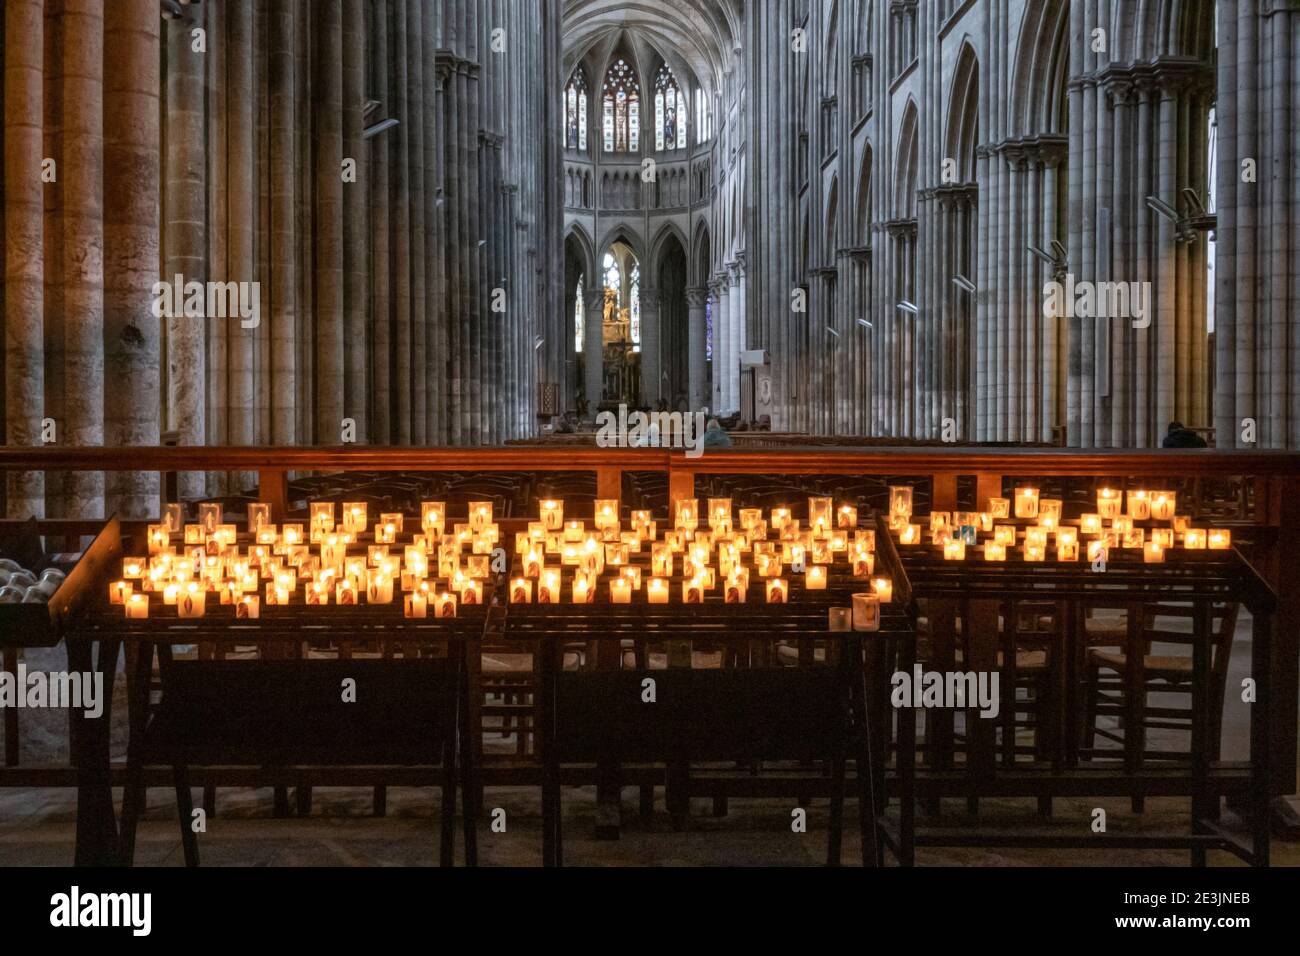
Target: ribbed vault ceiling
[[696, 37]]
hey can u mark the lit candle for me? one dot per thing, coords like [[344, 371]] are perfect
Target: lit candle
[[120, 591], [737, 588], [900, 500], [1109, 502], [661, 561], [471, 592], [1090, 523], [884, 589], [192, 602], [780, 518], [548, 588], [209, 516], [552, 514], [317, 594], [170, 593], [620, 591], [911, 534], [1035, 552], [993, 551], [249, 608], [657, 591], [1195, 539], [1135, 538], [1163, 536], [864, 564], [866, 611], [521, 591], [573, 531], [847, 517], [354, 517], [1000, 507], [1098, 550], [633, 577], [1152, 553], [159, 538], [1036, 538], [686, 514], [815, 578], [606, 513], [137, 606], [1163, 505], [1067, 544], [415, 605], [444, 605], [133, 568], [778, 591], [1139, 505], [1220, 539], [480, 515], [839, 619], [345, 593], [433, 518], [1026, 502], [693, 590], [380, 590], [533, 565], [954, 550]]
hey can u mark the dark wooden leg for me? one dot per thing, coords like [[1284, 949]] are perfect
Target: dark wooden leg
[[11, 713], [133, 795], [1261, 715], [1201, 638], [281, 808], [447, 846], [210, 800], [1134, 697], [677, 793], [302, 796], [97, 836], [647, 801], [835, 836], [185, 807], [551, 809], [379, 801], [868, 809], [471, 792]]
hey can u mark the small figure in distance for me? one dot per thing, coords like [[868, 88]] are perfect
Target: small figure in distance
[[1180, 436], [715, 436]]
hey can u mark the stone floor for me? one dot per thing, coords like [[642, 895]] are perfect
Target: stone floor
[[37, 826]]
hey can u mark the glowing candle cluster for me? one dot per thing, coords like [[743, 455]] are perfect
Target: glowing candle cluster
[[1123, 520]]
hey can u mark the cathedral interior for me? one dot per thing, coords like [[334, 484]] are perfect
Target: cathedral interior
[[294, 252]]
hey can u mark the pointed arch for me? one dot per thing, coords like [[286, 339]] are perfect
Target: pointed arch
[[962, 136], [864, 212], [905, 165]]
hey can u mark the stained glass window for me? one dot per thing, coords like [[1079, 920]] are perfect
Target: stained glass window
[[670, 112], [579, 317], [621, 116], [635, 304], [575, 111]]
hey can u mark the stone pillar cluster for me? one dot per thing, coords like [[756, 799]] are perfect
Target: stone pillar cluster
[[1257, 326], [396, 278]]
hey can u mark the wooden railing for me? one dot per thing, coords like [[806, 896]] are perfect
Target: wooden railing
[[1276, 477]]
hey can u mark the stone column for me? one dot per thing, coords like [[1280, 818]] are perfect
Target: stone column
[[24, 263], [593, 349], [696, 301], [184, 240], [651, 348], [722, 358], [283, 313], [81, 171], [131, 163], [737, 332]]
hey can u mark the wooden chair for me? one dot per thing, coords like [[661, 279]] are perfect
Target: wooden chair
[[1164, 673]]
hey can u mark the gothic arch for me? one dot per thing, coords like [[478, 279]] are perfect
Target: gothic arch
[[1041, 70], [576, 238], [831, 223], [667, 231], [905, 165], [702, 258], [962, 136], [865, 199]]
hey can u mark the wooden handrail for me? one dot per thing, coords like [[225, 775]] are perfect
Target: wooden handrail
[[812, 460]]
